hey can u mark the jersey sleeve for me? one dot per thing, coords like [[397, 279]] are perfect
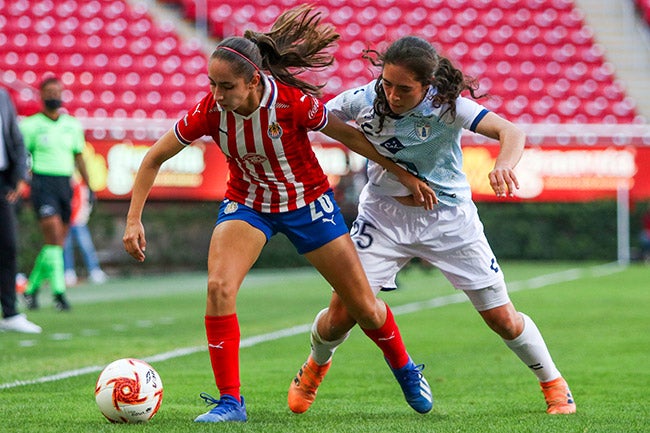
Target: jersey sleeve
[[194, 124], [347, 105], [311, 113], [25, 127], [469, 113]]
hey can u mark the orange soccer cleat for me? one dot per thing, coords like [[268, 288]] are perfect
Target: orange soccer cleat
[[558, 397], [303, 388]]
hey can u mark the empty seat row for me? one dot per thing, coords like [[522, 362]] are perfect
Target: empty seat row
[[536, 58]]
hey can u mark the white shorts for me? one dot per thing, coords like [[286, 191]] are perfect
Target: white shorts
[[388, 235]]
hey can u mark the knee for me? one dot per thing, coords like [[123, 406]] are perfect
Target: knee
[[508, 324], [338, 322], [220, 294], [371, 316]]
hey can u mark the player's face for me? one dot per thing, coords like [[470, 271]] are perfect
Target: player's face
[[52, 91], [231, 91], [402, 90]]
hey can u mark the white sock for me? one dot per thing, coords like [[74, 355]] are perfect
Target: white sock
[[323, 350], [530, 347]]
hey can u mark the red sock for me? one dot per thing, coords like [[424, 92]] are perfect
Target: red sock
[[223, 346], [389, 340]]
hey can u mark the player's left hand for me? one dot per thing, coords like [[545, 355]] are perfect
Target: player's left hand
[[422, 193], [14, 194], [503, 181], [134, 240]]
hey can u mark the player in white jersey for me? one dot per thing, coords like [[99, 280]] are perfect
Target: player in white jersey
[[260, 123], [414, 114]]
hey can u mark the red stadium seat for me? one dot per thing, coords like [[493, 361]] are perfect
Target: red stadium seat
[[537, 58], [491, 18]]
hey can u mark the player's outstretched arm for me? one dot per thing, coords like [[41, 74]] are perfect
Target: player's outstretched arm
[[357, 142], [512, 140], [134, 239]]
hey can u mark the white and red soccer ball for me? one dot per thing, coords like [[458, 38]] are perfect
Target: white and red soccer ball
[[129, 391]]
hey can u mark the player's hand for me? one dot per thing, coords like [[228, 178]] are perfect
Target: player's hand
[[503, 181], [91, 199], [134, 241], [422, 193], [14, 194]]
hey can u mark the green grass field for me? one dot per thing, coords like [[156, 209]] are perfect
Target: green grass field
[[594, 318]]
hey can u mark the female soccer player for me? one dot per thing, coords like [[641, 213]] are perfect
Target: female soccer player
[[415, 115], [260, 122]]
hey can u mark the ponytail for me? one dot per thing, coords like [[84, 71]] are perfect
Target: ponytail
[[296, 43]]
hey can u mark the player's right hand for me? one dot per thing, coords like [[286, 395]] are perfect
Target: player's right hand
[[134, 241]]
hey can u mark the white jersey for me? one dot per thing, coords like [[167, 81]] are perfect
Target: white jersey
[[422, 140], [387, 234]]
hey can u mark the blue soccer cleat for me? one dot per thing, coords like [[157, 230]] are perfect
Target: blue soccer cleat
[[226, 409], [414, 386]]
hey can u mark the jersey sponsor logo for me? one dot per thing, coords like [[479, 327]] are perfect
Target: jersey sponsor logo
[[231, 208], [422, 130], [274, 131], [393, 145], [254, 158], [314, 108]]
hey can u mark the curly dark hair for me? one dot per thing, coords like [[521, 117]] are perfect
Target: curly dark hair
[[295, 43], [420, 57]]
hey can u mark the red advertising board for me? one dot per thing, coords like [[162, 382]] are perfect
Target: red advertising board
[[566, 173], [548, 171], [198, 172]]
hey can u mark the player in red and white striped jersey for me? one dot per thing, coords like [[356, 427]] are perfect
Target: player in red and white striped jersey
[[260, 122], [271, 162]]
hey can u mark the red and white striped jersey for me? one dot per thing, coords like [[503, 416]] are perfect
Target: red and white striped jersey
[[270, 159]]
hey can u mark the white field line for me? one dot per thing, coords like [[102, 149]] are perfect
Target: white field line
[[530, 284]]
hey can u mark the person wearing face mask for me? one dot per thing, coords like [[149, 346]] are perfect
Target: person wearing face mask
[[55, 141]]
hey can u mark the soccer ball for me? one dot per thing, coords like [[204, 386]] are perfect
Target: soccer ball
[[128, 391]]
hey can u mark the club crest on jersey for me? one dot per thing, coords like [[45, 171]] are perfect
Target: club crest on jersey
[[422, 130], [231, 207], [274, 131]]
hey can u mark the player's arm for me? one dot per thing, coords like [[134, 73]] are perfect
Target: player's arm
[[81, 168], [134, 240], [512, 141], [357, 142]]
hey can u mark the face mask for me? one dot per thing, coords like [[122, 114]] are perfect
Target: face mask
[[53, 104]]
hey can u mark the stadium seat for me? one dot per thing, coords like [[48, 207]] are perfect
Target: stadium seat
[[115, 55]]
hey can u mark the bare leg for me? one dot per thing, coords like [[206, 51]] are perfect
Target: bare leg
[[234, 247], [350, 284]]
